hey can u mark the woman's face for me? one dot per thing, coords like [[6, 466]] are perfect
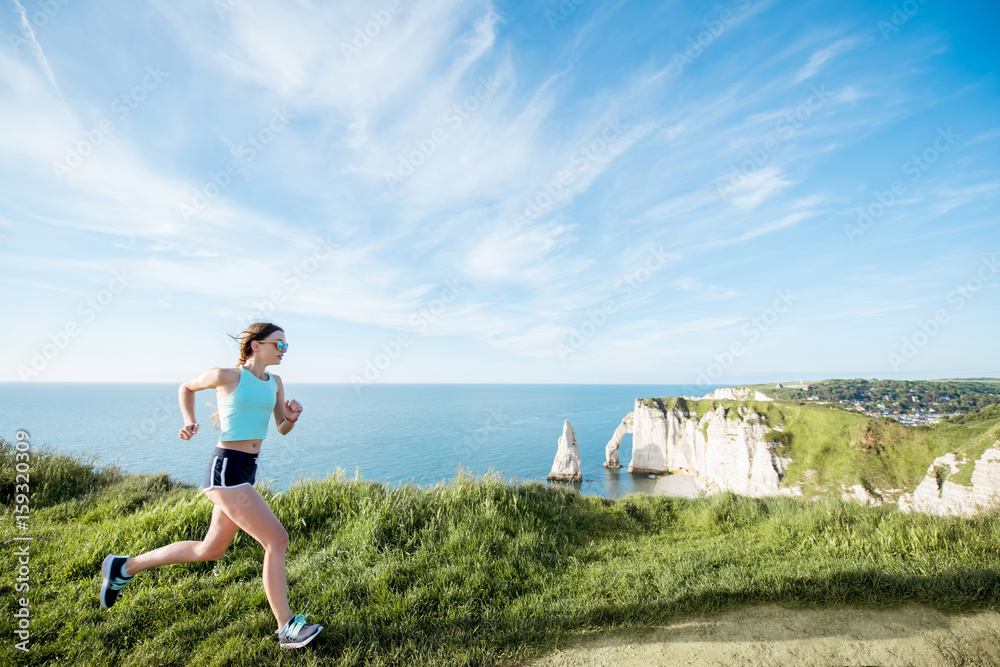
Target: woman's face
[[267, 348]]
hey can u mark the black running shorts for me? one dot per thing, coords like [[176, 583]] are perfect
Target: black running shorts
[[230, 468]]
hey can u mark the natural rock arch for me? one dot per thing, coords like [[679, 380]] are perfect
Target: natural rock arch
[[611, 450]]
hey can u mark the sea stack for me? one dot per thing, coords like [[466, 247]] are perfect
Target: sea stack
[[567, 466]]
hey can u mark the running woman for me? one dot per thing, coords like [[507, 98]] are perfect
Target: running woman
[[246, 395]]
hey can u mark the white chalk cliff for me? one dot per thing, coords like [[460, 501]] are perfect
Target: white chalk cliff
[[957, 499], [723, 454], [735, 394], [567, 466]]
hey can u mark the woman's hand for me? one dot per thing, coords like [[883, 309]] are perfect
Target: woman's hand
[[292, 410], [188, 431]]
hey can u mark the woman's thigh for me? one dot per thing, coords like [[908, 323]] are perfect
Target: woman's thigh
[[245, 507]]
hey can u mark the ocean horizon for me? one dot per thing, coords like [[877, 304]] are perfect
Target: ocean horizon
[[391, 433]]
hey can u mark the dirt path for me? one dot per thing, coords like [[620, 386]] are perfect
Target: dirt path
[[772, 635]]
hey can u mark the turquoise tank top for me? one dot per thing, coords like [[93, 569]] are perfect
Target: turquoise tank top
[[243, 415]]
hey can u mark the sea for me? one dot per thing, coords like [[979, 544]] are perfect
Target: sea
[[418, 434]]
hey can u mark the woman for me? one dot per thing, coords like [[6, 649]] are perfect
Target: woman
[[246, 396]]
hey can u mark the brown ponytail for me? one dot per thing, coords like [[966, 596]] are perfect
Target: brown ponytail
[[216, 420]]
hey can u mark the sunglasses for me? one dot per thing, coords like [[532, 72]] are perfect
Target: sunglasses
[[282, 345]]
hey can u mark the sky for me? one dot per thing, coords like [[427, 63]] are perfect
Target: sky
[[511, 192]]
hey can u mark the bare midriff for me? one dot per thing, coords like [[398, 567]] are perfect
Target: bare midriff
[[248, 446]]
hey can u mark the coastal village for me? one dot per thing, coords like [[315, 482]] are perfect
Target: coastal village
[[912, 407], [919, 416]]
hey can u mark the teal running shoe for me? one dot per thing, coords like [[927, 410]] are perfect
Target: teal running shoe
[[297, 633], [115, 579]]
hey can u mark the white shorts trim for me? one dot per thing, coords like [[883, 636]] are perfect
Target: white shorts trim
[[236, 486]]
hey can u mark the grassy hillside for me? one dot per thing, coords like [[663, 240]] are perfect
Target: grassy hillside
[[830, 447], [986, 423], [472, 572]]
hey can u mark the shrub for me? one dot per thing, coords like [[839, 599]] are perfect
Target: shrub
[[55, 477], [783, 439], [941, 473]]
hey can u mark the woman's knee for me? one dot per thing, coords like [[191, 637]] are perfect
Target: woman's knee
[[275, 540], [278, 541], [211, 551]]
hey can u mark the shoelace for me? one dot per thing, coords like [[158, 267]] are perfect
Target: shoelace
[[293, 626], [117, 583]]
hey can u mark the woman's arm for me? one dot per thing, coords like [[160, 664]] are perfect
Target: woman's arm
[[285, 413], [211, 378]]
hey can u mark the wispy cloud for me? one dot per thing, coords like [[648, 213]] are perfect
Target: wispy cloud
[[467, 141], [786, 221], [759, 186], [948, 198], [989, 135], [29, 34], [820, 58]]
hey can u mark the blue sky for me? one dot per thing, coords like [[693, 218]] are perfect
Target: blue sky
[[445, 191]]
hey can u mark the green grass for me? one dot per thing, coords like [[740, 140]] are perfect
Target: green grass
[[910, 451], [477, 571], [698, 409]]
